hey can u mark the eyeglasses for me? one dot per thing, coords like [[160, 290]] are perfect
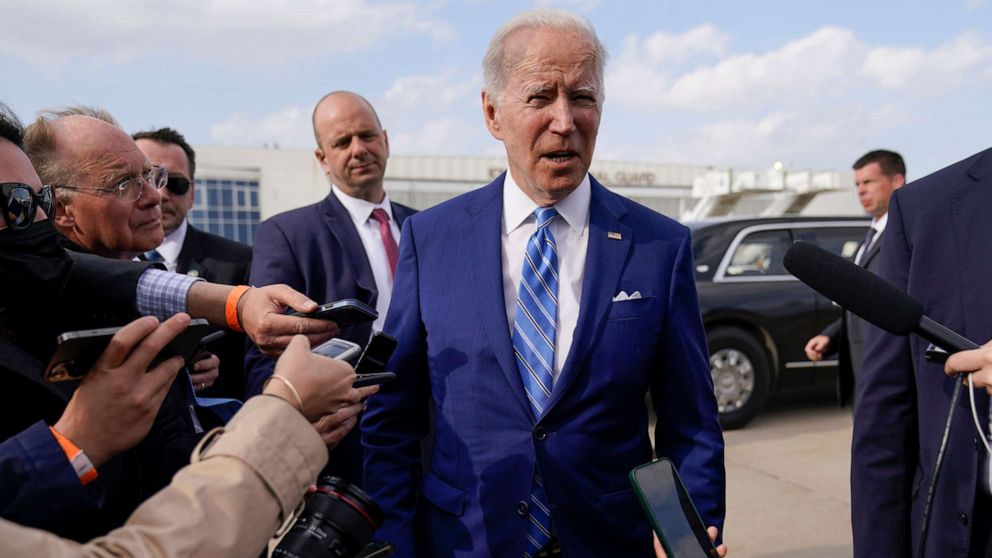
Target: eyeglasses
[[20, 203], [178, 185], [130, 189]]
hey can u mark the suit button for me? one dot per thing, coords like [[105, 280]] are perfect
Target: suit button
[[540, 433], [963, 518], [523, 508]]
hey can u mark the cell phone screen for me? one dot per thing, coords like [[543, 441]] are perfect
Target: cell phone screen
[[671, 511]]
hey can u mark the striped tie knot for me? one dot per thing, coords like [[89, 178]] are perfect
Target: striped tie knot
[[544, 216]]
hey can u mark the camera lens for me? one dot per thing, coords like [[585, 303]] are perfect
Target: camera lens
[[338, 521]]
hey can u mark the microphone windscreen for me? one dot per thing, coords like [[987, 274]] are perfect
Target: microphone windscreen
[[857, 290]]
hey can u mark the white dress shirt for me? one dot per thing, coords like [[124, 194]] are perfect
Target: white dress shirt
[[368, 230], [173, 245], [879, 225], [572, 239]]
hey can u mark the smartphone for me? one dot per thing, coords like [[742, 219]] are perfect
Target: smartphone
[[77, 351], [373, 379], [376, 354], [670, 510], [339, 349], [346, 312]]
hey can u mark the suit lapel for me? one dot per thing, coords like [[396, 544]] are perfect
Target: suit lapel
[[872, 251], [339, 222], [599, 281], [191, 254], [484, 230]]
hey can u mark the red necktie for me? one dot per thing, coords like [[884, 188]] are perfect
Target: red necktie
[[388, 242]]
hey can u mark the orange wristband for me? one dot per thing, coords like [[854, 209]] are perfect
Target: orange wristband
[[231, 309], [80, 462]]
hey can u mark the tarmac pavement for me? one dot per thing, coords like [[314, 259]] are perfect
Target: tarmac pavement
[[788, 480]]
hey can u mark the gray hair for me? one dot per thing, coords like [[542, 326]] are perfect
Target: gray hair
[[495, 65], [41, 146]]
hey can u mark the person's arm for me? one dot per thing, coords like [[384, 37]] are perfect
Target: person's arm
[[885, 439], [111, 411], [255, 469], [688, 429], [396, 419]]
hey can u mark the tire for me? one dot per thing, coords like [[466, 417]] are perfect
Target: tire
[[741, 375]]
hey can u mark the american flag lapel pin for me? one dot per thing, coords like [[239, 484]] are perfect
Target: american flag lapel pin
[[614, 235]]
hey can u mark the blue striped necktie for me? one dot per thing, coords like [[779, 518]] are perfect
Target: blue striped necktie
[[535, 326]]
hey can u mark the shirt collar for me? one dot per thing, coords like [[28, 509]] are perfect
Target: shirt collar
[[359, 209], [879, 224], [173, 243], [573, 208]]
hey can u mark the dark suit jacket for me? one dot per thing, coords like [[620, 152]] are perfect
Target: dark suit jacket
[[456, 368], [317, 251], [227, 262], [937, 248], [847, 334]]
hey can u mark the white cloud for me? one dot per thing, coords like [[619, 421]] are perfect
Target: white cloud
[[242, 34], [951, 64], [433, 91], [287, 127], [810, 66], [442, 135], [659, 48]]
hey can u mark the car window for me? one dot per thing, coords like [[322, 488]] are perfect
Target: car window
[[760, 254], [842, 241]]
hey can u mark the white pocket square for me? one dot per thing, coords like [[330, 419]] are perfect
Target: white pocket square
[[622, 296]]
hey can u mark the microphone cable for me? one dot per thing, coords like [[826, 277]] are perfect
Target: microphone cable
[[937, 465]]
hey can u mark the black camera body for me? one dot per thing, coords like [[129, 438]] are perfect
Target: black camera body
[[338, 522]]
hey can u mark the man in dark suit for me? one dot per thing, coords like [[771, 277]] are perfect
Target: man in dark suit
[[344, 246], [533, 316], [936, 248], [876, 175], [189, 250]]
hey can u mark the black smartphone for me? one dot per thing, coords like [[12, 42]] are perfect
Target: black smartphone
[[77, 351], [670, 510], [339, 349], [346, 312], [376, 354], [373, 379]]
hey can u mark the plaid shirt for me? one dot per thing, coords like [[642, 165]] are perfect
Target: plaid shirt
[[162, 293]]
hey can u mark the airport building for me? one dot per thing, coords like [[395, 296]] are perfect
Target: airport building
[[237, 188]]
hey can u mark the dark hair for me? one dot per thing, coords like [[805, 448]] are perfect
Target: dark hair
[[11, 128], [890, 162], [168, 135]]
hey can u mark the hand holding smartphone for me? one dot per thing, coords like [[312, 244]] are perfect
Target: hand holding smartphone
[[672, 514], [77, 351]]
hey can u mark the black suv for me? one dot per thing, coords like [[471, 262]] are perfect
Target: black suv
[[758, 317]]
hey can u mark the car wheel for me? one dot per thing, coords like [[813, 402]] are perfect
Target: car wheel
[[741, 375]]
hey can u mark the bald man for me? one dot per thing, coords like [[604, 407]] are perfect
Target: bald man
[[345, 246]]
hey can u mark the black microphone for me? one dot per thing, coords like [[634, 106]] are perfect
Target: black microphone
[[868, 296]]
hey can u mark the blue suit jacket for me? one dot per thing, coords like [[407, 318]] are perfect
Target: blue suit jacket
[[317, 251], [935, 247], [457, 379]]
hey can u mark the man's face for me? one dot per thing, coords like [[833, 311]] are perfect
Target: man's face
[[875, 188], [172, 157], [548, 112], [16, 167], [103, 222], [353, 147]]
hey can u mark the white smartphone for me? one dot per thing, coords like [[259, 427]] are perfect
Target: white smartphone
[[339, 349]]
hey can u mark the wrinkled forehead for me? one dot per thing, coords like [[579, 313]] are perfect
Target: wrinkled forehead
[[16, 167], [568, 55]]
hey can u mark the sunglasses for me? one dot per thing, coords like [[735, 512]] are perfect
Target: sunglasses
[[177, 185], [20, 203]]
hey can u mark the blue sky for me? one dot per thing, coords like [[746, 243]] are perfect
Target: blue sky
[[742, 83]]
